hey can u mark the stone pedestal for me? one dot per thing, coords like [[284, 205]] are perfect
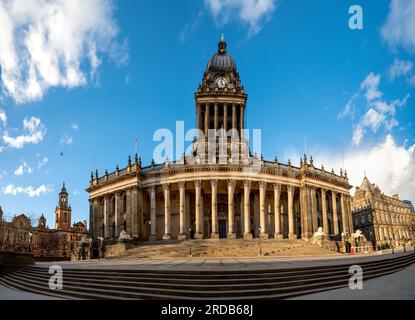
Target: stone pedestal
[[198, 236], [292, 236], [167, 237], [231, 235], [278, 236], [153, 237], [248, 236], [214, 236], [182, 236], [264, 236]]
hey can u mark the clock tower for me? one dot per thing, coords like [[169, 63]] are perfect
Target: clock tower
[[63, 211], [220, 98]]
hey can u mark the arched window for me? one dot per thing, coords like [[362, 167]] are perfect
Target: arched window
[[65, 217]]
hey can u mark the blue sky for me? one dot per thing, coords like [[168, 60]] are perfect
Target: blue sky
[[95, 77]]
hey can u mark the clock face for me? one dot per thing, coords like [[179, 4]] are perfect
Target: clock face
[[221, 82]]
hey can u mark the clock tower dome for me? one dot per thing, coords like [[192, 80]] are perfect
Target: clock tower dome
[[220, 98]]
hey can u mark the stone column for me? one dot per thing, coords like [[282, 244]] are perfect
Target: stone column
[[118, 227], [381, 233], [216, 116], [304, 204], [345, 220], [225, 116], [324, 211], [377, 236], [182, 194], [106, 218], [349, 213], [134, 213], [277, 211], [95, 217], [234, 119], [153, 218], [242, 120], [314, 209], [247, 207], [335, 216], [207, 119], [198, 213], [167, 225], [231, 190], [262, 223], [128, 216], [242, 214], [187, 211], [291, 233], [199, 116], [215, 233]]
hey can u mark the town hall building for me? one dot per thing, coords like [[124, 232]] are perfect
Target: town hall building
[[231, 194]]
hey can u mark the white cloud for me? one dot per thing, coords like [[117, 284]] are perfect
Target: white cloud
[[22, 169], [75, 126], [66, 139], [34, 133], [371, 84], [251, 12], [357, 136], [372, 119], [29, 191], [51, 43], [2, 149], [42, 163], [400, 68], [399, 29], [377, 112], [3, 117], [387, 164]]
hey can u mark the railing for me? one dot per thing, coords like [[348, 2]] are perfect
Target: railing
[[283, 168]]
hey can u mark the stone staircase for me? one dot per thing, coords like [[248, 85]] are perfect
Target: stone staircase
[[225, 248], [199, 285]]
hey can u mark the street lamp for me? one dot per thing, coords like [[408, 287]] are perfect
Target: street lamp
[[30, 242], [190, 242], [260, 242]]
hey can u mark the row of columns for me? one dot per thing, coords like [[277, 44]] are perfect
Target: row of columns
[[132, 210], [309, 214], [234, 123], [383, 233]]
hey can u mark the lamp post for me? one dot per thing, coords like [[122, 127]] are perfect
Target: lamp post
[[30, 242], [260, 242], [190, 242]]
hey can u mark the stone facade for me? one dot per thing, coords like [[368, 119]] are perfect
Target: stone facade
[[384, 220], [228, 195]]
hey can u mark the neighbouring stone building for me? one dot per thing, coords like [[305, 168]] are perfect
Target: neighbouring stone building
[[232, 194], [384, 220], [20, 234]]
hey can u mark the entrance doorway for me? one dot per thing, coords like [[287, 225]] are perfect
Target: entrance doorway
[[222, 228]]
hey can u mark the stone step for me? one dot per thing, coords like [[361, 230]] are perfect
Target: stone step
[[110, 286], [231, 278], [196, 285], [150, 293]]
